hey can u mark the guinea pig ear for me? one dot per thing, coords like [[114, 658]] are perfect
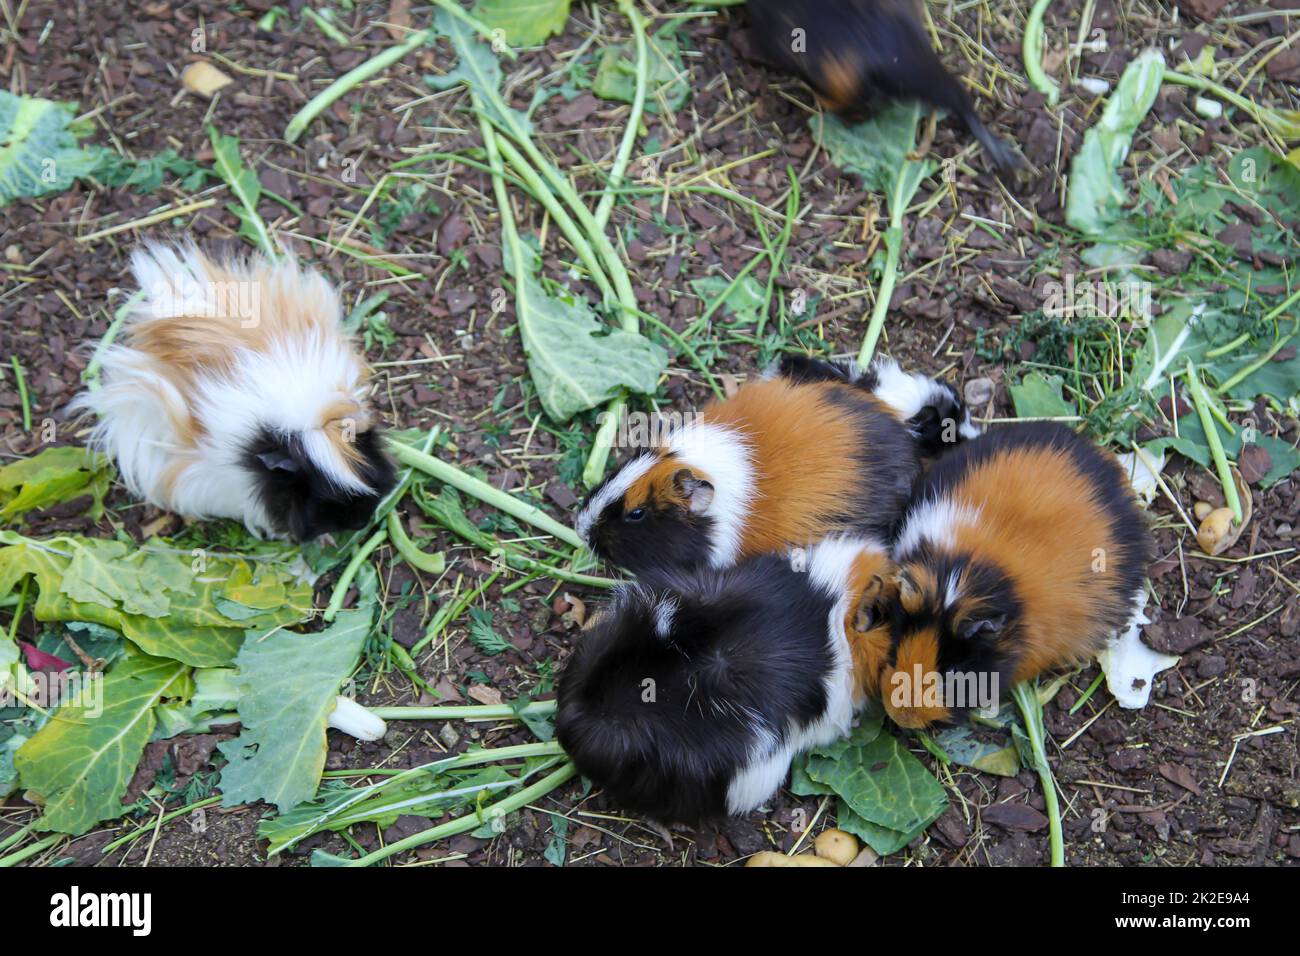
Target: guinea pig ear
[[972, 628], [278, 460], [868, 614], [909, 595], [698, 492]]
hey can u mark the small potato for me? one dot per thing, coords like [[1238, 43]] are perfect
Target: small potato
[[768, 858], [1202, 510], [837, 846], [1216, 532]]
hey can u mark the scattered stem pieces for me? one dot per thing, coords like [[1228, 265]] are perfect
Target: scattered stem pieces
[[1033, 53]]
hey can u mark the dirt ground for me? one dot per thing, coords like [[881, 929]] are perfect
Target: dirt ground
[[1158, 774]]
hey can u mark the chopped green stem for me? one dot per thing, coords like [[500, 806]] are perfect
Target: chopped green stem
[[1202, 402], [22, 393], [91, 374], [166, 818], [350, 572], [1025, 695], [634, 117], [562, 219], [472, 821], [422, 560], [352, 79], [886, 292], [541, 708], [1032, 47], [1253, 367], [1092, 689], [449, 612], [40, 846], [477, 488], [326, 26]]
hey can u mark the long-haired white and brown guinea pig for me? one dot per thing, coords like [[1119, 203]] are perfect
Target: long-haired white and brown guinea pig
[[853, 52], [686, 699], [811, 449], [233, 392], [1020, 551]]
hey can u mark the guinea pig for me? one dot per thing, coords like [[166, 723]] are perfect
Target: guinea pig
[[687, 698], [852, 52], [232, 391], [809, 450], [1020, 551]]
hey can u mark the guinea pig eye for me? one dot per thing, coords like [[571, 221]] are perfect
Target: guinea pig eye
[[636, 514]]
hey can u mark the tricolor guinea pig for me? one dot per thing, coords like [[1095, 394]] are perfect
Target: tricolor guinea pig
[[852, 52], [1020, 551], [687, 698], [233, 392], [810, 450]]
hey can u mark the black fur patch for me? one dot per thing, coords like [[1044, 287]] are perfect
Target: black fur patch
[[300, 500], [663, 538], [981, 653], [663, 722], [888, 464]]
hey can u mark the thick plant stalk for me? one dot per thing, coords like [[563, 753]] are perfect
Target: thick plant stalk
[[350, 80], [451, 475], [470, 821], [468, 712], [1025, 695], [1203, 409], [625, 147], [1032, 48]]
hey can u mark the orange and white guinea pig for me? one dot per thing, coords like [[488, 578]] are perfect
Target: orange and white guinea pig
[[1020, 551], [688, 697], [811, 449], [233, 391]]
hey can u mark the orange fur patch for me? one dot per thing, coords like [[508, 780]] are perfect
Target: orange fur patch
[[656, 486], [803, 451], [838, 82], [1039, 523], [870, 584], [904, 685]]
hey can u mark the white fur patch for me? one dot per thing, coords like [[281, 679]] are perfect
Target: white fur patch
[[933, 521], [725, 457], [665, 611], [829, 564], [909, 392], [613, 490], [143, 417]]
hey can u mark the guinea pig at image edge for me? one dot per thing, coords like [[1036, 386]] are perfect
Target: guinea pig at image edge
[[232, 391]]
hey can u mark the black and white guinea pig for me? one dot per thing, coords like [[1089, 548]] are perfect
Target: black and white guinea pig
[[687, 698], [854, 52], [1021, 551], [233, 392], [809, 450]]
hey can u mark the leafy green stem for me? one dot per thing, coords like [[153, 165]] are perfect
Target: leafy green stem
[[1202, 402], [1025, 695]]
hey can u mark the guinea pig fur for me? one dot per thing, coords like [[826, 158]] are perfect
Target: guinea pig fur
[[855, 51], [1020, 551], [233, 392], [688, 697], [812, 449]]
